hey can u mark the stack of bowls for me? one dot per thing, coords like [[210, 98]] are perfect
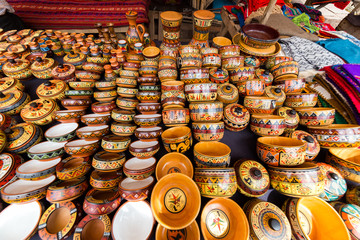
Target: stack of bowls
[[167, 68]]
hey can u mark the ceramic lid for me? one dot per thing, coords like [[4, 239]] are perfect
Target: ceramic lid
[[252, 177], [73, 57], [275, 92], [17, 48], [264, 74], [335, 184], [219, 73], [267, 221], [290, 115], [227, 92], [171, 16], [204, 14], [42, 64], [236, 114], [51, 88], [8, 83], [16, 65], [312, 145], [63, 70], [350, 214], [13, 99], [21, 135], [38, 109]]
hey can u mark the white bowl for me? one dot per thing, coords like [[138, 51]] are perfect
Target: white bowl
[[61, 132], [137, 163], [34, 169], [131, 184]]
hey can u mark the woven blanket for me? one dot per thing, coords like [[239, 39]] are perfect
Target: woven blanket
[[344, 48], [353, 72], [76, 14]]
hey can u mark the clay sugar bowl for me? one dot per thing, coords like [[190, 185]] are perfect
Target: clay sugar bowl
[[305, 180], [211, 154], [148, 133], [174, 163], [347, 161], [316, 116], [267, 125], [208, 131], [136, 190], [281, 151], [143, 150], [171, 204], [223, 218], [81, 147], [313, 218], [137, 168], [177, 139], [260, 104]]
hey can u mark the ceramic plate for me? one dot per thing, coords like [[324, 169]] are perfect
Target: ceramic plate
[[174, 163], [20, 221], [133, 220], [191, 232]]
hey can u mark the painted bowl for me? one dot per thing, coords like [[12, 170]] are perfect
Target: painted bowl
[[216, 182], [201, 92], [126, 82], [219, 75], [101, 202], [189, 60], [259, 35], [167, 62], [281, 151], [75, 104], [127, 92], [291, 85], [192, 232], [72, 168], [194, 75], [95, 119], [103, 107], [272, 61], [93, 76], [105, 96], [68, 116], [46, 150], [232, 219], [82, 85], [174, 163], [260, 104], [147, 80], [127, 103], [236, 117], [208, 131], [337, 135], [148, 133], [291, 118], [353, 195], [113, 143], [37, 169], [177, 139], [79, 94], [105, 180], [147, 120], [185, 49], [175, 116], [138, 169], [335, 184], [267, 125], [229, 51], [277, 93], [148, 71], [312, 145], [170, 201], [265, 75], [227, 93], [252, 61], [123, 116], [173, 98], [148, 96], [123, 129], [144, 150], [241, 74], [305, 180], [212, 60], [211, 154], [232, 62], [108, 161], [152, 53], [310, 217], [81, 148], [131, 66], [289, 69], [93, 67], [218, 42], [149, 87], [206, 111], [148, 108], [136, 190], [316, 116], [346, 161], [61, 132], [90, 133], [128, 74], [251, 87], [172, 86], [298, 100]]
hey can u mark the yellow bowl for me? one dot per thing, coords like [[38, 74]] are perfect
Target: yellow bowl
[[174, 163], [212, 154], [316, 116], [347, 161], [177, 139]]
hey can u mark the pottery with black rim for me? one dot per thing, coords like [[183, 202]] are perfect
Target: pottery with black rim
[[46, 150], [96, 119], [61, 132], [147, 120], [33, 170]]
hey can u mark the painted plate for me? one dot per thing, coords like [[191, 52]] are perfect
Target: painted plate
[[174, 163], [191, 232]]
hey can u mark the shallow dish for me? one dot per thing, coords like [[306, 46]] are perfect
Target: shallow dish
[[96, 119], [136, 190], [36, 169], [174, 163], [105, 85], [138, 169], [218, 42], [113, 143], [170, 201], [123, 129], [108, 161], [177, 139], [267, 125], [148, 133], [347, 161], [211, 154], [105, 180], [316, 116], [61, 132], [81, 148], [121, 115], [147, 120], [297, 100], [90, 133], [46, 150], [211, 131], [223, 218], [281, 151], [191, 232], [101, 202], [143, 150], [260, 104], [72, 167], [68, 116], [126, 82]]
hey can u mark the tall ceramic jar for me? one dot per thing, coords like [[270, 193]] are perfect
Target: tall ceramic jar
[[202, 24], [171, 22], [135, 33]]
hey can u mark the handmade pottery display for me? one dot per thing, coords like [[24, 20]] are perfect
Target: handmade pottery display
[[8, 85], [93, 227], [312, 145], [352, 195], [208, 131], [108, 161], [272, 61], [213, 60], [18, 69], [127, 103], [39, 111], [346, 162], [42, 67], [194, 75], [113, 143], [173, 98], [123, 129], [267, 125], [218, 42], [229, 51], [283, 70], [105, 180], [316, 116], [259, 35], [173, 163], [46, 150], [79, 94], [236, 117], [234, 62], [241, 74], [211, 154], [65, 72], [75, 58], [177, 139], [6, 122], [148, 108], [265, 75], [103, 107], [75, 104], [291, 85], [147, 120], [219, 75], [260, 104], [148, 96], [72, 168], [96, 119], [135, 32]]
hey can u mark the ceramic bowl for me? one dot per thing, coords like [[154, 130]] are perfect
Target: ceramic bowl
[[125, 226], [148, 80], [105, 180], [127, 103], [151, 53], [277, 93], [335, 184], [353, 195], [173, 98], [303, 213], [168, 74], [101, 202], [229, 51], [33, 170], [291, 85], [281, 151], [93, 67], [316, 116], [105, 85], [81, 148], [138, 169], [272, 61], [260, 104], [234, 224], [189, 60], [219, 75], [46, 150], [103, 107], [95, 119], [201, 92], [336, 135], [177, 139], [195, 75], [126, 82], [267, 125], [241, 74], [61, 132], [216, 182], [144, 150], [68, 116], [184, 49], [252, 61], [124, 116], [208, 131], [105, 96], [82, 85], [251, 87], [211, 154], [312, 145], [172, 86], [108, 161], [305, 180], [289, 69], [212, 60], [136, 190], [232, 62], [148, 71], [149, 88], [218, 42], [170, 201], [79, 94], [127, 92], [148, 133], [206, 111], [113, 143], [265, 75], [129, 74], [259, 36], [236, 117], [93, 76], [166, 62], [148, 96], [297, 100], [291, 118], [75, 104], [174, 163], [147, 120], [175, 116], [90, 133], [346, 161], [192, 232], [131, 66], [72, 168], [148, 108]]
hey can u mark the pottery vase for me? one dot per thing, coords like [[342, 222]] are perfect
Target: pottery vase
[[171, 22], [135, 31], [202, 24]]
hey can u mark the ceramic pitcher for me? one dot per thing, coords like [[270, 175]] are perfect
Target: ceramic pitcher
[[135, 33]]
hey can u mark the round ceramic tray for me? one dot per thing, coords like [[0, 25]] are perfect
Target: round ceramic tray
[[266, 52]]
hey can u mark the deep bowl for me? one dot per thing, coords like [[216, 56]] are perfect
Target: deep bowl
[[147, 120], [81, 148], [144, 150], [259, 35], [206, 111], [316, 116], [297, 100], [138, 169], [267, 125], [260, 104], [61, 132], [177, 139], [212, 131], [347, 161], [136, 190], [212, 154], [148, 133]]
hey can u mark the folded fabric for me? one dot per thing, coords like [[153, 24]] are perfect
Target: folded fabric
[[343, 48], [345, 35], [286, 27], [290, 12], [353, 71], [308, 54], [352, 85], [323, 26], [303, 20], [312, 12]]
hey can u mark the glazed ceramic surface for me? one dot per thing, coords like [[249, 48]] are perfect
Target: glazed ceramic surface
[[138, 169], [173, 163], [291, 118], [113, 143], [61, 132], [96, 119], [46, 150], [312, 145], [212, 131], [177, 139], [260, 104], [148, 134], [267, 125], [227, 93], [236, 117], [335, 184], [206, 111], [211, 154], [101, 202], [136, 190], [346, 161], [251, 87], [316, 116], [191, 232], [143, 150]]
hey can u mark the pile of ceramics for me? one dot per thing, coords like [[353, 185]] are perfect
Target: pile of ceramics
[[97, 176]]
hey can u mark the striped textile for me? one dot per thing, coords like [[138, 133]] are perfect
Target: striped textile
[[77, 14]]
